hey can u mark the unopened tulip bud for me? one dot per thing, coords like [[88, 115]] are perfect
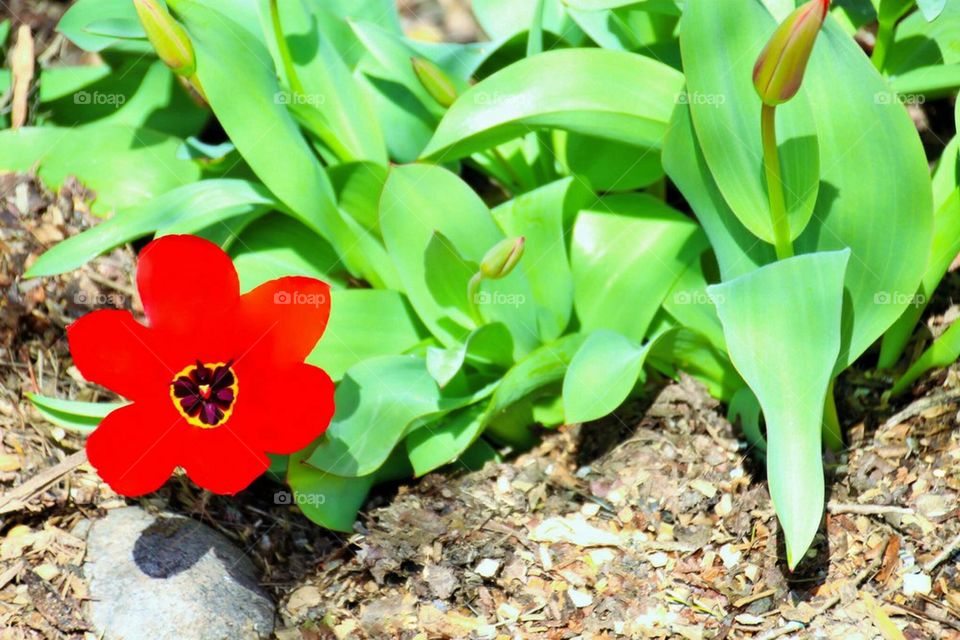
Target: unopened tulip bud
[[435, 81], [168, 37], [502, 258], [780, 67]]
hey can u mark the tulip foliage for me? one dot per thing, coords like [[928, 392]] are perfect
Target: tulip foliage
[[499, 223]]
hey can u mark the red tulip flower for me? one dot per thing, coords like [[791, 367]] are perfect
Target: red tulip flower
[[216, 379]]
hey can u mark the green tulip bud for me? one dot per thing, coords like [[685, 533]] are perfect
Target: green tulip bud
[[435, 81], [502, 258], [168, 37], [782, 63]]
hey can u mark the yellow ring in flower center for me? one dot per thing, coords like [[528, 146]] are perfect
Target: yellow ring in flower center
[[205, 393]]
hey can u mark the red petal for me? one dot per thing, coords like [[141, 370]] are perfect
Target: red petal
[[224, 459], [112, 349], [188, 285], [283, 410], [134, 449], [284, 319]]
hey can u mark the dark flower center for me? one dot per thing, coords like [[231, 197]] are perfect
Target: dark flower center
[[204, 394]]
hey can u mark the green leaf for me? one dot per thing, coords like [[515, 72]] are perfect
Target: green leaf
[[124, 166], [187, 209], [726, 114], [925, 56], [607, 165], [690, 304], [365, 324], [542, 217], [441, 443], [944, 351], [544, 367], [931, 9], [627, 252], [328, 84], [278, 245], [601, 376], [490, 345], [240, 82], [882, 211], [946, 246], [506, 18], [85, 24], [379, 402], [746, 408], [782, 324], [73, 415], [608, 94], [416, 203]]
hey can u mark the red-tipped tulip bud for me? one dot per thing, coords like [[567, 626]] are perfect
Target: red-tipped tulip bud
[[780, 67], [168, 37], [502, 258], [435, 81]]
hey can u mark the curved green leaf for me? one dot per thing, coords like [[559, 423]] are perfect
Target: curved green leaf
[[601, 376], [726, 114], [73, 415], [186, 209], [123, 165], [627, 252], [240, 83], [609, 94], [441, 443], [782, 324], [364, 324]]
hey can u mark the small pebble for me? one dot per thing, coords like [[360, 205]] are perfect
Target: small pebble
[[487, 568], [916, 583], [580, 599], [658, 559]]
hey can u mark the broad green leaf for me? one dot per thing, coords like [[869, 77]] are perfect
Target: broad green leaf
[[132, 90], [726, 114], [931, 9], [359, 186], [601, 376], [328, 84], [946, 179], [278, 245], [665, 6], [627, 252], [448, 275], [607, 165], [441, 443], [364, 324], [680, 349], [240, 82], [416, 203], [490, 345], [80, 25], [73, 415], [188, 208], [925, 56], [379, 402], [124, 166], [946, 247], [882, 211], [506, 18], [544, 367], [542, 217], [737, 250], [608, 94], [330, 500], [690, 304], [782, 324]]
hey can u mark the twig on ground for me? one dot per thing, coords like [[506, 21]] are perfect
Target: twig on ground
[[917, 407], [16, 499], [944, 555], [779, 632], [867, 509]]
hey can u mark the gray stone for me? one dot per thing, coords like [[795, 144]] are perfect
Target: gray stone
[[169, 577]]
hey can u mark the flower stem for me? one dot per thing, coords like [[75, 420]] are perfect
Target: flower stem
[[771, 164], [473, 291], [832, 434], [885, 32]]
